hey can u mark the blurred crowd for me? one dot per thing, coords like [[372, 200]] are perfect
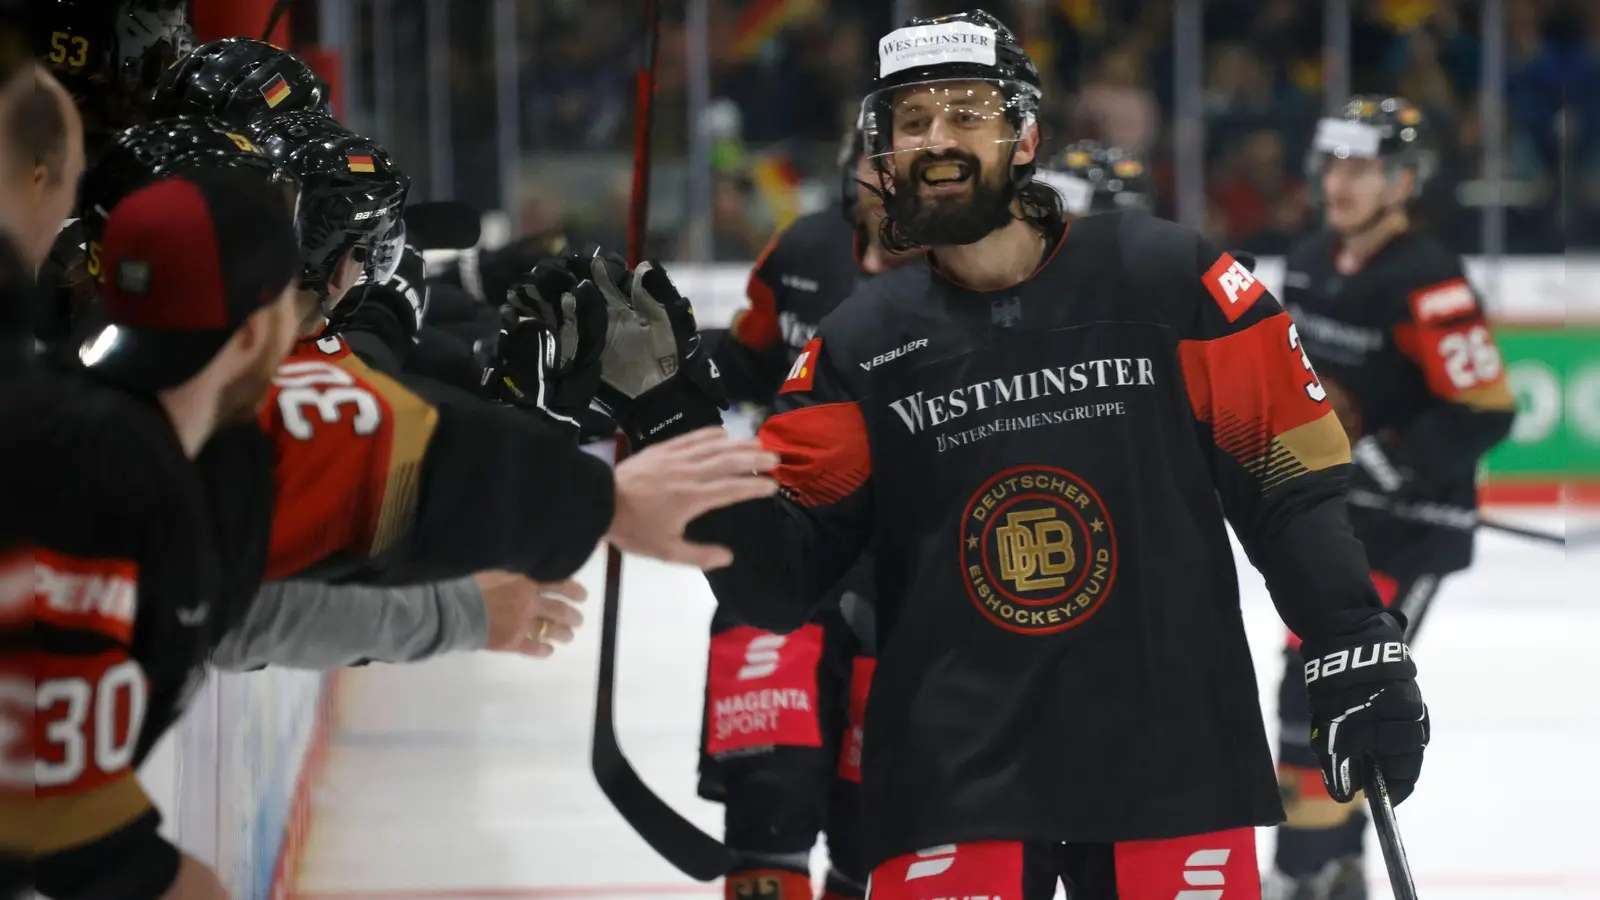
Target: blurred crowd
[[785, 76]]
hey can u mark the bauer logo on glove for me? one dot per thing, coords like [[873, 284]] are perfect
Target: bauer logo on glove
[[1356, 658]]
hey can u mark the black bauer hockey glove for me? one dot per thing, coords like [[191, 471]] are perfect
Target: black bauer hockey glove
[[552, 333], [656, 380], [1365, 703]]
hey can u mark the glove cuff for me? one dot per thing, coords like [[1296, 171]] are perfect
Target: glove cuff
[[1379, 654], [659, 414]]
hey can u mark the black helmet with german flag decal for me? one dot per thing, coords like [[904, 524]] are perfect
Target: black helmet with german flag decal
[[240, 80], [141, 154], [352, 197]]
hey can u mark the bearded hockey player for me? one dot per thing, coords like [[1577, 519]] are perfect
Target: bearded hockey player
[[1410, 365], [781, 749], [1041, 432]]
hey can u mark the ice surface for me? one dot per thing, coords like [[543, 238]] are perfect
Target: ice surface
[[468, 777]]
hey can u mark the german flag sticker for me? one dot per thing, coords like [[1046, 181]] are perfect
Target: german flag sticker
[[276, 91], [360, 163]]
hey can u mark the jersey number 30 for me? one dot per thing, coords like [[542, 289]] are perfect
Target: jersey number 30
[[84, 723], [326, 391]]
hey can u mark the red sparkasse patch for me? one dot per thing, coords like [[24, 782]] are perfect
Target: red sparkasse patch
[[1234, 287], [991, 869], [1220, 864], [804, 370], [761, 690]]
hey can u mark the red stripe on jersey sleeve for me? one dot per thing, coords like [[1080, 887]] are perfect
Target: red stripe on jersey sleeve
[[757, 326], [824, 450], [86, 594], [1451, 343], [1266, 408]]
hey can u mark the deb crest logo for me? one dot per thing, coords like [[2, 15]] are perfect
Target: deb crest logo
[[1038, 550]]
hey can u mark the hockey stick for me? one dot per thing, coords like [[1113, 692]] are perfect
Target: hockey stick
[[1394, 851], [1447, 517], [689, 849], [278, 9]]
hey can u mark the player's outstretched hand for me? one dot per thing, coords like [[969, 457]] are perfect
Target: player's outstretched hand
[[1365, 703], [666, 486], [656, 380], [528, 617]]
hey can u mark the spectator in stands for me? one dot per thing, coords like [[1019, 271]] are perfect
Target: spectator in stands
[[1115, 107], [1262, 207]]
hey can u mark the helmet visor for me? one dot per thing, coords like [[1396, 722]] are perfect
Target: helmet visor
[[964, 113], [385, 252]]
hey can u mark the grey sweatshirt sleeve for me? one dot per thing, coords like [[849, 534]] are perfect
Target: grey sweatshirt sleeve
[[312, 625]]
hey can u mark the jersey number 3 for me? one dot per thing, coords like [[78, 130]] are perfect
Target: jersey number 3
[[1314, 390], [327, 392]]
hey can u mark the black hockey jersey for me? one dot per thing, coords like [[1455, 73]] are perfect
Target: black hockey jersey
[[1042, 476], [131, 567], [805, 271], [1406, 355]]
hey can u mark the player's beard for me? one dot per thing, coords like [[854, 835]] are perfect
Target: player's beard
[[241, 398], [954, 220]]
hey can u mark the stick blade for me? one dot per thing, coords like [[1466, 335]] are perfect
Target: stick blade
[[690, 850]]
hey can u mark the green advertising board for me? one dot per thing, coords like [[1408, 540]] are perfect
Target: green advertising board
[[1554, 372]]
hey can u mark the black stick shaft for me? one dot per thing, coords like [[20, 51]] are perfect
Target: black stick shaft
[[1394, 850]]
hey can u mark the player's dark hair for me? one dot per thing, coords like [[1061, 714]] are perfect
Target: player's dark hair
[[37, 126]]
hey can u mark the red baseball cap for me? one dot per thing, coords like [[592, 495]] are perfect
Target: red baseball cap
[[183, 263]]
